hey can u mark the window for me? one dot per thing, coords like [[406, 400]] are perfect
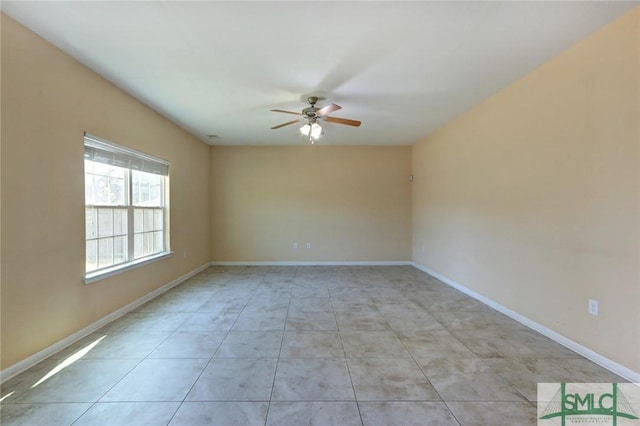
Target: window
[[126, 207]]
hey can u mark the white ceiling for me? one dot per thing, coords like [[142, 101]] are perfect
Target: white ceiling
[[402, 68]]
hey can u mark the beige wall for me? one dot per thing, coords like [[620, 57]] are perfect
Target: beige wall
[[48, 101], [350, 203], [532, 198]]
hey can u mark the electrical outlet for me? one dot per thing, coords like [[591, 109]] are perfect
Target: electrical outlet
[[308, 245], [184, 254], [422, 249], [295, 245], [593, 307]]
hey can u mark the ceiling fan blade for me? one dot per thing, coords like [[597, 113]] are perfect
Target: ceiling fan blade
[[286, 112], [325, 110], [285, 124], [346, 121]]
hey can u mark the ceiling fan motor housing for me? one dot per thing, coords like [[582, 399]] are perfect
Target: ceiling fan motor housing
[[310, 112]]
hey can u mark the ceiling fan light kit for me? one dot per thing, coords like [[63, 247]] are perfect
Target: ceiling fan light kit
[[310, 117], [314, 131]]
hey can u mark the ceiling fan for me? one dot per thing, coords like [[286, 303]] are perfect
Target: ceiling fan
[[312, 115]]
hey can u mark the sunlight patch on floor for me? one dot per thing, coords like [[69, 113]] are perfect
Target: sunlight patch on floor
[[7, 396], [70, 360]]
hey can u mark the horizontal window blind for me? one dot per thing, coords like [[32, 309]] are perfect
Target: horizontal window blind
[[101, 151]]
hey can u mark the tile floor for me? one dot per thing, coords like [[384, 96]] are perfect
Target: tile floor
[[299, 346]]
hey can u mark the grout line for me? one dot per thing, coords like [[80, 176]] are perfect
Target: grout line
[[275, 373], [355, 396], [413, 359]]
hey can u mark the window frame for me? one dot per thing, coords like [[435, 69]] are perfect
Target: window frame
[[99, 150]]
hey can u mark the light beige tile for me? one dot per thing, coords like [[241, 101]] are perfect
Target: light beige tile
[[475, 320], [389, 379], [317, 320], [371, 344], [494, 344], [299, 291], [148, 381], [41, 414], [526, 373], [493, 413], [411, 320], [310, 305], [128, 413], [385, 318], [406, 414], [189, 344], [81, 381], [433, 344], [235, 379], [314, 414], [221, 414], [131, 344], [250, 344], [312, 344], [260, 320], [210, 321], [361, 321], [312, 379], [467, 379], [225, 303]]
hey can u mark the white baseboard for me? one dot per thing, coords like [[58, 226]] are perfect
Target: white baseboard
[[621, 370], [317, 263], [29, 362]]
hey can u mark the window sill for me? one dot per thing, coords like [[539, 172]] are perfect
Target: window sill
[[92, 277]]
